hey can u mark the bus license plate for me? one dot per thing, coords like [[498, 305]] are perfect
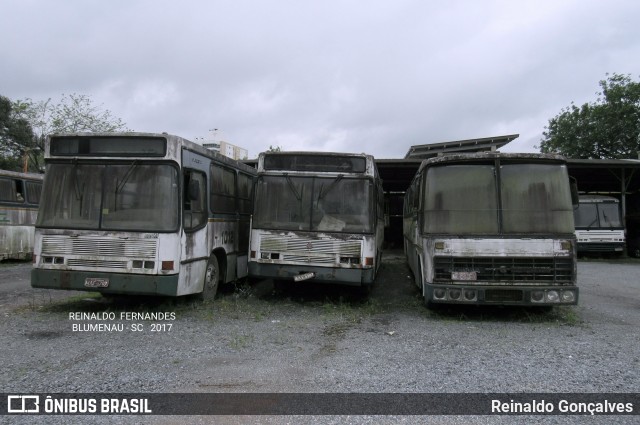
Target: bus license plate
[[464, 275], [96, 282], [305, 276]]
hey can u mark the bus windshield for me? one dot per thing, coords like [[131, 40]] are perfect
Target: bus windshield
[[463, 199], [595, 215], [133, 196], [324, 204]]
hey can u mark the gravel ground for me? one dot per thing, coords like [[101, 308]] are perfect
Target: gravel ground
[[320, 339]]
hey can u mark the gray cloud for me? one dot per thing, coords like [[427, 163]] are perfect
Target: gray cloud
[[373, 76]]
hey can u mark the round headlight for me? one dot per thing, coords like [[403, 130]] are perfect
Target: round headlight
[[439, 293], [553, 297], [568, 296], [469, 294], [537, 296], [454, 294]]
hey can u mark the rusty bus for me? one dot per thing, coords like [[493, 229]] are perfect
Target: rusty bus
[[318, 218], [140, 213], [492, 228], [19, 199]]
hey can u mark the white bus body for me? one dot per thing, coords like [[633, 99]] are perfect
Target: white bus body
[[599, 227], [318, 217], [142, 214]]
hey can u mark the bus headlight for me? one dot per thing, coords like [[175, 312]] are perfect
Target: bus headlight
[[537, 296], [568, 296], [566, 245], [454, 294], [470, 294], [553, 297], [439, 294]]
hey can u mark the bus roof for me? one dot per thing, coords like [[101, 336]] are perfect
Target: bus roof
[[19, 175], [479, 156], [184, 143]]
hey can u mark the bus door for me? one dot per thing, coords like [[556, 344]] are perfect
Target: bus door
[[194, 239]]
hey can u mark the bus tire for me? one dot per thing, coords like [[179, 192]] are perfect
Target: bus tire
[[211, 279]]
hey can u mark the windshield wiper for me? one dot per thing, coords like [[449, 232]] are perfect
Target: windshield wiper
[[120, 185], [592, 223], [324, 192], [293, 188]]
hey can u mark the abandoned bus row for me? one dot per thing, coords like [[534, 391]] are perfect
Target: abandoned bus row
[[155, 214]]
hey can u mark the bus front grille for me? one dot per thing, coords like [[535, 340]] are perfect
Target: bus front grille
[[507, 269], [85, 246], [501, 295], [76, 262], [308, 250]]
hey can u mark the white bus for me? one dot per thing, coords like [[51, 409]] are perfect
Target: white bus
[[599, 227], [318, 217], [142, 214], [492, 228], [19, 199]]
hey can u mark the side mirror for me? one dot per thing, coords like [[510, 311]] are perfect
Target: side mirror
[[193, 190]]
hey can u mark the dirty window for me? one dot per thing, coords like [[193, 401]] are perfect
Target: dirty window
[[140, 197], [343, 205], [8, 190], [34, 190], [245, 186], [72, 196], [136, 196], [609, 215], [223, 189], [194, 213], [536, 198], [330, 204], [283, 203], [461, 199], [319, 162], [586, 215]]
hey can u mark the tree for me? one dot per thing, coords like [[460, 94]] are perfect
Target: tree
[[274, 149], [608, 128], [75, 113], [16, 137]]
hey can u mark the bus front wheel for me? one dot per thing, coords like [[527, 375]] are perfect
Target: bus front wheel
[[211, 279]]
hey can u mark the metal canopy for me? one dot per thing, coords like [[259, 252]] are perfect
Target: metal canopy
[[470, 145]]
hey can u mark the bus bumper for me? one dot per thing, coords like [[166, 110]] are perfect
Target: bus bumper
[[125, 284], [604, 247], [502, 295], [337, 275]]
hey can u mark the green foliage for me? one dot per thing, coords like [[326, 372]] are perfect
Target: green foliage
[[16, 137], [73, 114], [608, 128]]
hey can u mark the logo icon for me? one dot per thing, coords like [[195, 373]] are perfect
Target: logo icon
[[23, 404]]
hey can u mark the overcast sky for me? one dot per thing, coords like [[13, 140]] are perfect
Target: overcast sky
[[352, 76]]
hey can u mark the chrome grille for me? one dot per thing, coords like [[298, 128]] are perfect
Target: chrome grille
[[270, 243], [308, 250], [99, 247], [507, 269], [310, 259], [79, 262]]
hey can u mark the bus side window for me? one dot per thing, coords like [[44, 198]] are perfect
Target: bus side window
[[194, 196], [34, 190], [11, 190]]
